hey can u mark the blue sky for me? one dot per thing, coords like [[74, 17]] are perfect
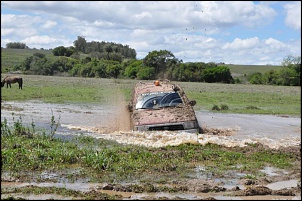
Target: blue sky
[[233, 32]]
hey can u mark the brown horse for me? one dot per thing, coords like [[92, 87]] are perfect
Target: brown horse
[[11, 80]]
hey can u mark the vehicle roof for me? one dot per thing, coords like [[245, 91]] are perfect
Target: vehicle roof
[[148, 87], [145, 87]]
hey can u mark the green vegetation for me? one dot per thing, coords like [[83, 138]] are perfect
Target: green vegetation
[[239, 98], [111, 60], [244, 70], [10, 58], [30, 151]]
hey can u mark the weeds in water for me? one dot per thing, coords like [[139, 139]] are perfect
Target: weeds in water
[[5, 130], [53, 125], [101, 160], [249, 176]]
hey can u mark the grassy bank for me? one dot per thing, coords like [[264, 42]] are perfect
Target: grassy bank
[[239, 98], [27, 152]]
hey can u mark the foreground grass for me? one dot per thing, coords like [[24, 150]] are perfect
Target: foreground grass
[[240, 98], [27, 152]]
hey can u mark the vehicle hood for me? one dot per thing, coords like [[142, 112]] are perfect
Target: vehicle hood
[[176, 114]]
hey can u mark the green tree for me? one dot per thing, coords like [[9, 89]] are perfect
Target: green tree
[[146, 73], [217, 74], [63, 51], [132, 67], [16, 45], [80, 44], [158, 60]]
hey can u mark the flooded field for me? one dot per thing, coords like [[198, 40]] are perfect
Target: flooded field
[[112, 123]]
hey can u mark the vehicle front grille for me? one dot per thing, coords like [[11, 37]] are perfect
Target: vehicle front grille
[[168, 128]]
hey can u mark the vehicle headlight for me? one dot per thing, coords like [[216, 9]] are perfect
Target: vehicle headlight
[[189, 125]]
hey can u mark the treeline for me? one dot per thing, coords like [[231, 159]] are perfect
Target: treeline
[[111, 60], [16, 45], [288, 75], [156, 65]]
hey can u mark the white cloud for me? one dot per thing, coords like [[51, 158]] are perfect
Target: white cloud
[[49, 24], [239, 44], [274, 44], [293, 15], [192, 30]]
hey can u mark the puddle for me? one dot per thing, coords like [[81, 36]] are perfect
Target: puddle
[[283, 184]]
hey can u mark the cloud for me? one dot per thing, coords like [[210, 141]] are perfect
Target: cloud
[[205, 31], [49, 24], [239, 44], [293, 15]]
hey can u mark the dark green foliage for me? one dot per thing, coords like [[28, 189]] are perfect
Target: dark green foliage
[[104, 50], [288, 75], [146, 73], [215, 107], [217, 74], [62, 51], [16, 45], [132, 67], [222, 107]]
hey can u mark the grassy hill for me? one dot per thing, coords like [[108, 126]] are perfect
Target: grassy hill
[[248, 69], [11, 57]]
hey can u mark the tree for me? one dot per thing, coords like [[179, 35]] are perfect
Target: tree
[[217, 74], [80, 44], [158, 60], [16, 45], [292, 73]]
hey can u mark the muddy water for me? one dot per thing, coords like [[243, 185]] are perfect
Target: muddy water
[[112, 122]]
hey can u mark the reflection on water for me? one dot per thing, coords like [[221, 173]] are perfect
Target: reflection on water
[[112, 123]]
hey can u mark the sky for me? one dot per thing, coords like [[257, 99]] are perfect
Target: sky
[[232, 32]]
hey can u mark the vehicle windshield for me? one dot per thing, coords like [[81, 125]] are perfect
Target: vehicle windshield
[[158, 100]]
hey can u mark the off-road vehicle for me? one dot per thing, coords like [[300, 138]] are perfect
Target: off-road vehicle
[[161, 105]]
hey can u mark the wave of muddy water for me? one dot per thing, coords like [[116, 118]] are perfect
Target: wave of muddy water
[[112, 122]]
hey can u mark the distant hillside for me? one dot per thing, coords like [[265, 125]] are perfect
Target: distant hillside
[[11, 57], [248, 69]]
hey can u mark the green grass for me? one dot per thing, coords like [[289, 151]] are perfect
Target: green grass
[[107, 161], [238, 98], [12, 57], [249, 69], [242, 71]]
